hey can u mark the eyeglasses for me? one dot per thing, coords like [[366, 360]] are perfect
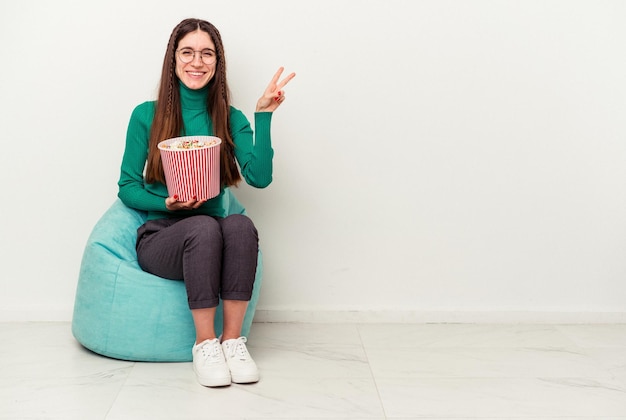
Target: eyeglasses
[[187, 55]]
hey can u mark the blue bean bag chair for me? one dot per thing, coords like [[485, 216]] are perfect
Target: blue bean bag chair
[[120, 311]]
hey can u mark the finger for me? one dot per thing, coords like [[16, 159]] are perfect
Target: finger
[[285, 81], [186, 205], [276, 77]]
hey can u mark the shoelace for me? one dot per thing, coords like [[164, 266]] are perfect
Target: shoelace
[[211, 351], [238, 349]]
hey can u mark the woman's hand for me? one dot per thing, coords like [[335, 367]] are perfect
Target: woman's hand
[[273, 95], [173, 204]]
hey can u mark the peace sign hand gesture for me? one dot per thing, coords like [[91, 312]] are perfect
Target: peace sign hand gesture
[[273, 95]]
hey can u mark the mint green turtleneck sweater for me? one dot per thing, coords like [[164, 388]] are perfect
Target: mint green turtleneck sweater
[[254, 154]]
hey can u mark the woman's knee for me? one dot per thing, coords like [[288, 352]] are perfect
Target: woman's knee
[[202, 228], [238, 225]]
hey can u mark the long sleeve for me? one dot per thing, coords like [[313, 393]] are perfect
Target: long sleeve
[[253, 153], [132, 188], [253, 150]]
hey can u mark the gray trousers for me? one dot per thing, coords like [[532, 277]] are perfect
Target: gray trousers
[[215, 257]]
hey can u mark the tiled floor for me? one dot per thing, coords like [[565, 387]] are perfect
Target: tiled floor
[[320, 371]]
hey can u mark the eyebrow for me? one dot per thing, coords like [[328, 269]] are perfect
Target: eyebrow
[[203, 49]]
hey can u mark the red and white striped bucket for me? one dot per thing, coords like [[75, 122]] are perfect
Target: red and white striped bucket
[[192, 172]]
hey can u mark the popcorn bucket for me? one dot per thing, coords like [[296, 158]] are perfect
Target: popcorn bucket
[[192, 166]]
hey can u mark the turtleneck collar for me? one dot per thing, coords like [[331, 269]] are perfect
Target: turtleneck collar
[[193, 99]]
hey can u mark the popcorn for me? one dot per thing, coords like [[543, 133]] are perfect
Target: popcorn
[[191, 166], [188, 144]]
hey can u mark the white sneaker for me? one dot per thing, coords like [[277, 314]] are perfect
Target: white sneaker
[[209, 363], [243, 370]]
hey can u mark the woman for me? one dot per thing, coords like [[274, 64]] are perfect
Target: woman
[[213, 253]]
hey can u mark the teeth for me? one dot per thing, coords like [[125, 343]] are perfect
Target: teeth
[[196, 74]]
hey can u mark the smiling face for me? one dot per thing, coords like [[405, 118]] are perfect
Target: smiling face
[[195, 74]]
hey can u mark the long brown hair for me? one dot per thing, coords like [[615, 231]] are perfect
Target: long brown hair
[[168, 117]]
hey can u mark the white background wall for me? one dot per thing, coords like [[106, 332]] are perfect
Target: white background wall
[[434, 160]]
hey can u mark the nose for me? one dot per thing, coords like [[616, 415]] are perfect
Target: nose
[[197, 59]]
